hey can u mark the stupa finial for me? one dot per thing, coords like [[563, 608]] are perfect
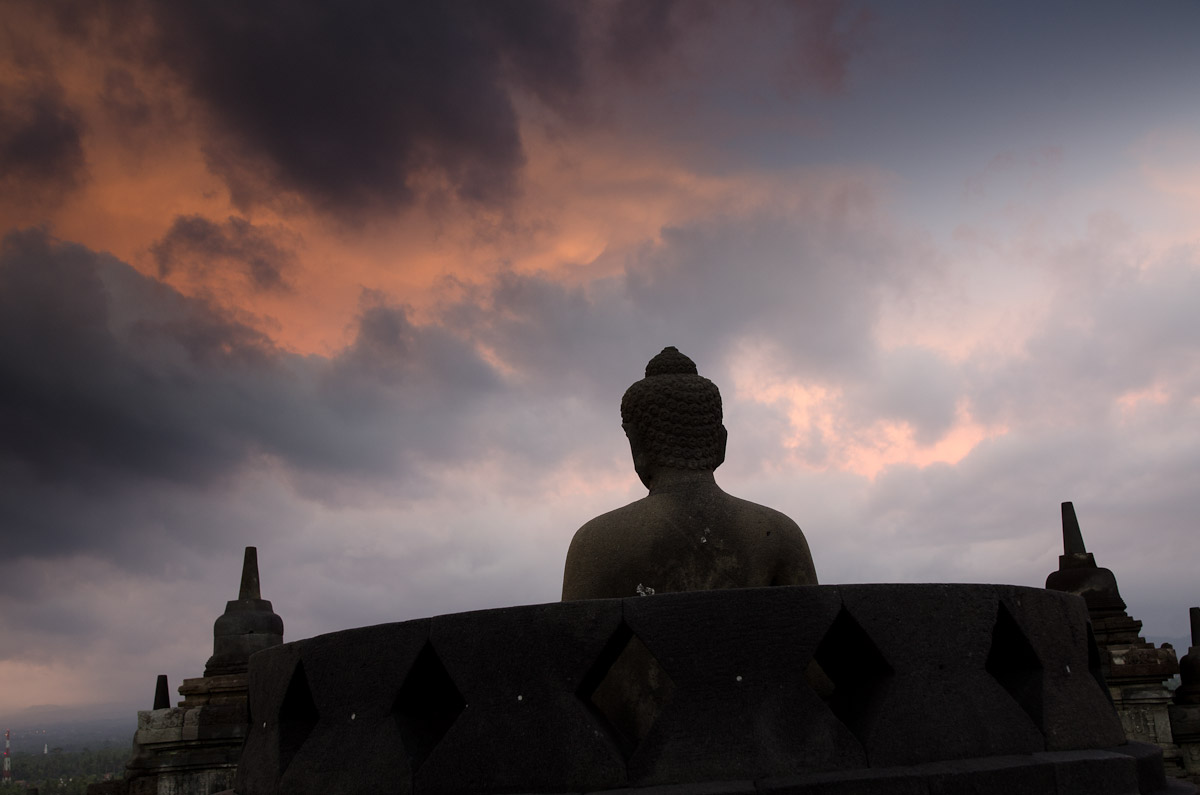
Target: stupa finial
[[251, 589], [247, 625], [162, 693], [1078, 573], [1072, 536]]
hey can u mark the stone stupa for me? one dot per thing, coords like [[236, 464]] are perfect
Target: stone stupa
[[194, 748], [1135, 672]]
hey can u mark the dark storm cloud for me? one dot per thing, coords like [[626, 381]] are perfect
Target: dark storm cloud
[[640, 35], [81, 402], [364, 105], [124, 406], [110, 378], [41, 149], [197, 244], [348, 103], [390, 349], [399, 400]]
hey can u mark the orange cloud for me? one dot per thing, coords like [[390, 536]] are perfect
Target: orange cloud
[[589, 195], [587, 200], [820, 411], [886, 444]]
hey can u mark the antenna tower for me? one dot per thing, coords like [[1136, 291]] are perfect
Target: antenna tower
[[7, 760]]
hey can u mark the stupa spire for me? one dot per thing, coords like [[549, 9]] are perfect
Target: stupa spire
[[251, 588], [1078, 573], [248, 624], [162, 693], [1072, 536]]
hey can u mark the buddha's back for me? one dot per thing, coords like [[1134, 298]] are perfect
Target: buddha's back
[[687, 534]]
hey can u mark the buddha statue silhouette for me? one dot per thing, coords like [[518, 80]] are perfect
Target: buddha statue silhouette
[[686, 534]]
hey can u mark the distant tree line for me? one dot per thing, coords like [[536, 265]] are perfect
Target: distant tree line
[[68, 772]]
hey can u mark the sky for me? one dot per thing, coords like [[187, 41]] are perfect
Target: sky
[[362, 284]]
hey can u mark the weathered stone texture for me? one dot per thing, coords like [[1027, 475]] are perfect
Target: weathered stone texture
[[505, 700]]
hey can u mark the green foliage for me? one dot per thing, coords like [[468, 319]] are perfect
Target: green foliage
[[68, 772]]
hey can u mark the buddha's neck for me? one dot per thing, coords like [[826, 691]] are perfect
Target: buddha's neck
[[668, 479]]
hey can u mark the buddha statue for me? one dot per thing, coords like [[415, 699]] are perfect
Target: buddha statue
[[686, 534]]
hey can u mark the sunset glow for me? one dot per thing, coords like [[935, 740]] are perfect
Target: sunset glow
[[367, 296]]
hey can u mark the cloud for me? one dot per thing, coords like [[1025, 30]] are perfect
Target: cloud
[[826, 35], [365, 107], [1114, 335], [362, 110], [123, 99], [83, 390], [442, 464], [808, 270], [912, 384], [596, 180], [121, 381], [113, 375], [198, 245], [41, 142], [639, 36], [352, 105]]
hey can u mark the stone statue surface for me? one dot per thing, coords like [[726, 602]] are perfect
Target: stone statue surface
[[686, 534]]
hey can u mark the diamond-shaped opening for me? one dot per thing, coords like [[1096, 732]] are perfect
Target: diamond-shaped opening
[[849, 674], [298, 717], [626, 689], [1013, 663], [426, 706], [1095, 665]]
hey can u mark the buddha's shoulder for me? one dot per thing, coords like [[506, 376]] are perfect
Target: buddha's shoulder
[[617, 519], [762, 514]]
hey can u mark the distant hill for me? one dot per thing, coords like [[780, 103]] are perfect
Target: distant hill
[[70, 728]]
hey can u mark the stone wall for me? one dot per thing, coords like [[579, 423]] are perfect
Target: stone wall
[[785, 685]]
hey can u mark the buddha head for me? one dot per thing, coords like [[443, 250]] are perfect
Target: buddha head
[[673, 417]]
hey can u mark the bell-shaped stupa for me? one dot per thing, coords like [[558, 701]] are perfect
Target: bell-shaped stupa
[[249, 624]]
